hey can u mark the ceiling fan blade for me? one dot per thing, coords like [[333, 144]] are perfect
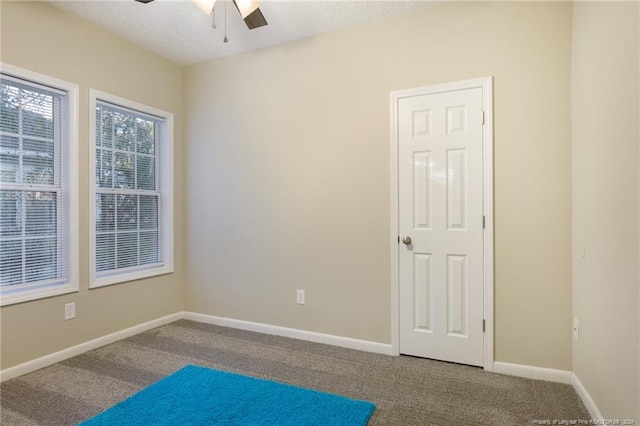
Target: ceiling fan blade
[[255, 19], [250, 12], [144, 1]]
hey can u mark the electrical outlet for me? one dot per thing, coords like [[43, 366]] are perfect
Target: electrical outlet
[[300, 297], [69, 311], [576, 329]]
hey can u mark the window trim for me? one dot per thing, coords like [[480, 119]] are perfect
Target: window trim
[[165, 149], [26, 293]]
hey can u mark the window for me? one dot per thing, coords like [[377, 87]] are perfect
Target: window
[[38, 186], [131, 196]]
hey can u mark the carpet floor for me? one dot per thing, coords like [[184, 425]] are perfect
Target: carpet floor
[[405, 390]]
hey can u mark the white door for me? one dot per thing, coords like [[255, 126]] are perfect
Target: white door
[[440, 210]]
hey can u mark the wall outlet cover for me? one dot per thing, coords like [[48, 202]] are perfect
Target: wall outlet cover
[[69, 311]]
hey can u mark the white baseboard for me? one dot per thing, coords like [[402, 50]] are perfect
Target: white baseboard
[[551, 375], [586, 398], [327, 339], [527, 371], [530, 372], [47, 360]]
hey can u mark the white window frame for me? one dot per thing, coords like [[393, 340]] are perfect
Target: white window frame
[[25, 293], [164, 146]]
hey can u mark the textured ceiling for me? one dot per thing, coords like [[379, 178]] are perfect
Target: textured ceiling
[[179, 31]]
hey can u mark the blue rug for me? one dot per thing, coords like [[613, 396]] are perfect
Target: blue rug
[[201, 396]]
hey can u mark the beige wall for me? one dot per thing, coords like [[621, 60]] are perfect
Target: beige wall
[[42, 39], [288, 182], [605, 204], [288, 178]]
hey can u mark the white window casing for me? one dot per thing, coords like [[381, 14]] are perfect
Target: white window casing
[[131, 195], [38, 186]]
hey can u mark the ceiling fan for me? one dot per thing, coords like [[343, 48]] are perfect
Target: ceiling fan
[[249, 10]]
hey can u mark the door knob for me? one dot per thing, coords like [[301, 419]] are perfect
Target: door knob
[[407, 240]]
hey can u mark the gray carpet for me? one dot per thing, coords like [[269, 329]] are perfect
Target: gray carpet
[[406, 390]]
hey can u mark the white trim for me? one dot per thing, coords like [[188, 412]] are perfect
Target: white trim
[[327, 339], [35, 77], [551, 375], [128, 276], [117, 101], [166, 153], [310, 336], [37, 294], [395, 229], [531, 372], [47, 360], [486, 84], [588, 402], [487, 167], [92, 185], [71, 185], [526, 371]]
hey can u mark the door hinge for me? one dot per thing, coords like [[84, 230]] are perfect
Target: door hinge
[[483, 118], [483, 222], [398, 239], [484, 325]]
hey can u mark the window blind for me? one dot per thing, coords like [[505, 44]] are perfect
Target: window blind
[[34, 246], [128, 209]]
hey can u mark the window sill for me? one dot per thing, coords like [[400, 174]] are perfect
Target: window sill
[[9, 297], [130, 276]]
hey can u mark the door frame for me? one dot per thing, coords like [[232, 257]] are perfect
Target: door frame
[[486, 84]]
